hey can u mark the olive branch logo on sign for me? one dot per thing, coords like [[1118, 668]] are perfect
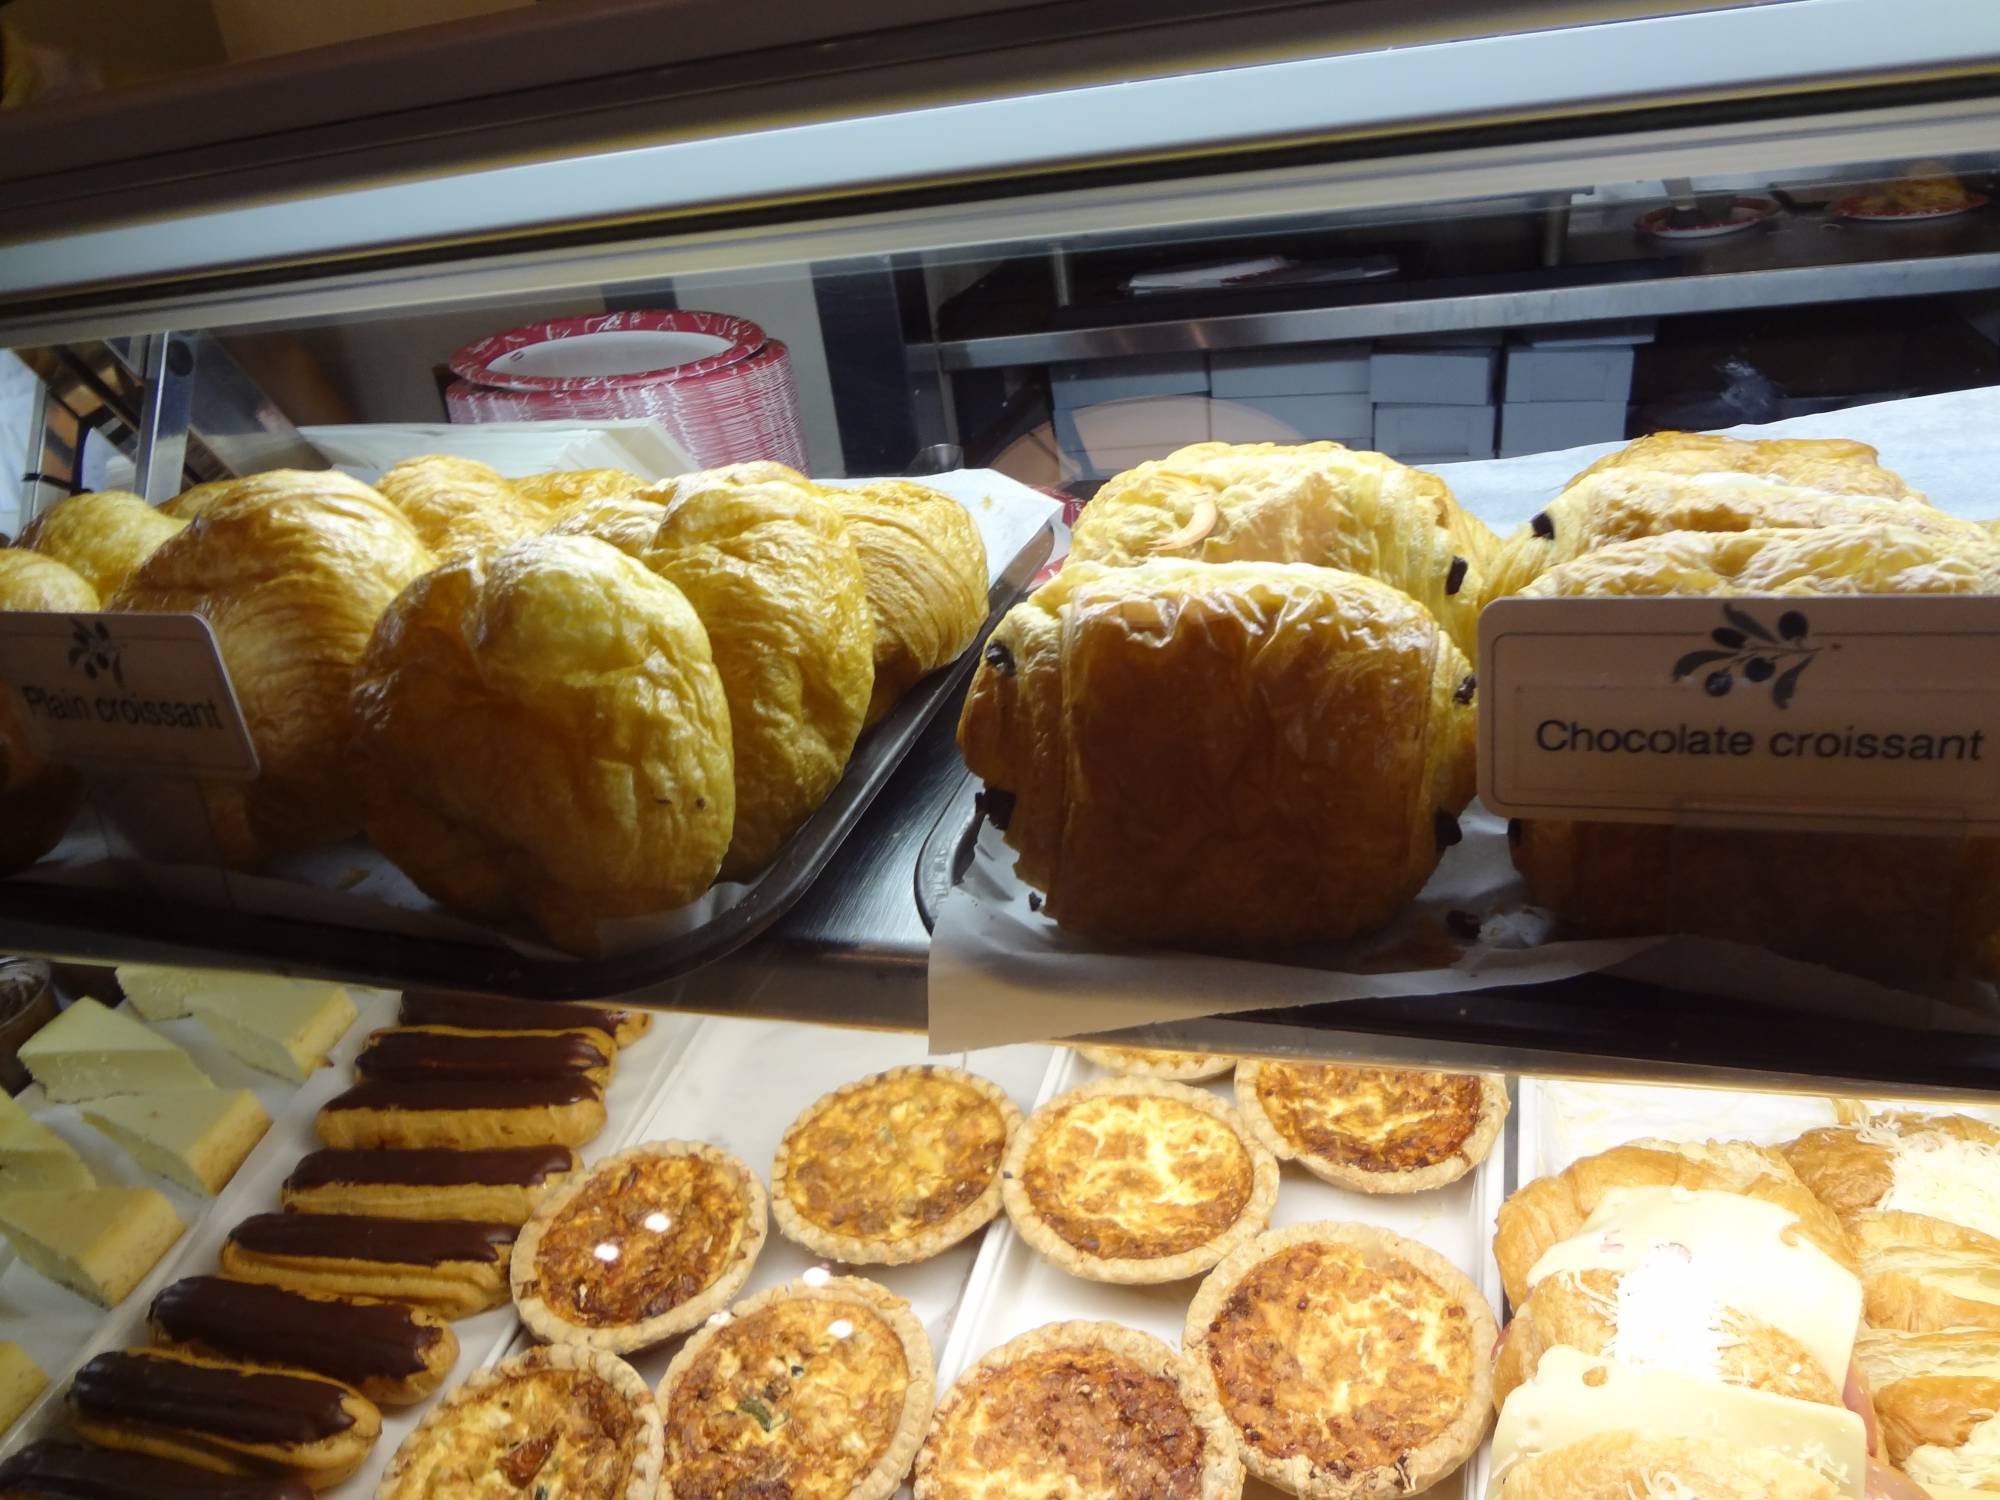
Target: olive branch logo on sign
[[94, 653], [1752, 649]]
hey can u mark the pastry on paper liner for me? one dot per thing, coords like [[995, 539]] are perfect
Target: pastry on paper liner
[[1222, 753]]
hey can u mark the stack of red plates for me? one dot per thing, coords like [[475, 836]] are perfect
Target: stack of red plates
[[720, 387]]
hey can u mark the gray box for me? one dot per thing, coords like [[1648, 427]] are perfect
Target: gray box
[[1435, 432], [1569, 374], [1089, 381], [1296, 370], [1545, 426], [1455, 377], [1345, 418]]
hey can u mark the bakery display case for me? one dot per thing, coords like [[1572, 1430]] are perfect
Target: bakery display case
[[830, 782]]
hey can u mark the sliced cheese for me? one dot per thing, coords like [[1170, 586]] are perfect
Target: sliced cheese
[[34, 1156], [1574, 1395], [21, 1380], [195, 1137], [282, 1026], [89, 1052], [1697, 1251], [1974, 1462], [100, 1244]]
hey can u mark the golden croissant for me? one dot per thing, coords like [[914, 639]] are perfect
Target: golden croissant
[[38, 798], [291, 569], [460, 505], [103, 535], [1222, 753], [1625, 1465], [1314, 503], [924, 565], [542, 732], [1937, 1396], [1871, 902], [560, 487], [1841, 465]]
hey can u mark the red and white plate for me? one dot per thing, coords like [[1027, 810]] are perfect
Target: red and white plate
[[1744, 213], [1856, 207]]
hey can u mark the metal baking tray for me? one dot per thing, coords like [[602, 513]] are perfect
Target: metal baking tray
[[1012, 1289], [124, 926]]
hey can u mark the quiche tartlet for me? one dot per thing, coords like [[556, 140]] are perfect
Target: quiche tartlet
[[1373, 1130], [556, 1421], [1143, 1062], [1351, 1362], [1079, 1409], [1137, 1180], [818, 1390], [894, 1168], [643, 1246]]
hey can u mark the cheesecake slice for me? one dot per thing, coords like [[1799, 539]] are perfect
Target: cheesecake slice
[[34, 1156], [282, 1026], [160, 993], [99, 1243], [21, 1380], [195, 1137], [89, 1052]]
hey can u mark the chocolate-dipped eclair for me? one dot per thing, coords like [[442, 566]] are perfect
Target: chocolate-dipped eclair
[[501, 1186], [497, 1013], [463, 1114], [391, 1352], [222, 1415], [69, 1471], [420, 1053], [457, 1267]]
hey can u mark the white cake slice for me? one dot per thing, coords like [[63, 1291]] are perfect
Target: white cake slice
[[89, 1052], [157, 992], [34, 1156], [21, 1380], [195, 1137], [283, 1026], [100, 1243]]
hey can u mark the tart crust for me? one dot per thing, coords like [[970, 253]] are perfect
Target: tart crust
[[1419, 1299], [1143, 1062], [1100, 1232], [1453, 1119], [726, 1188], [881, 1479], [1058, 1442], [487, 1387], [812, 1141]]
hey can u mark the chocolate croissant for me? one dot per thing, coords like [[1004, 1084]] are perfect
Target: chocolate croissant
[[1314, 503], [1222, 753], [1842, 465]]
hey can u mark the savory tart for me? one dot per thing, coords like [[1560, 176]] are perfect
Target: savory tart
[[643, 1246], [818, 1390], [1373, 1130], [1137, 1180], [1079, 1409], [1144, 1062], [894, 1168], [1351, 1361], [556, 1421]]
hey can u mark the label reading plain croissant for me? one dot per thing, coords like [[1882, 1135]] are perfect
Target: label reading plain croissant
[[140, 693], [1872, 714]]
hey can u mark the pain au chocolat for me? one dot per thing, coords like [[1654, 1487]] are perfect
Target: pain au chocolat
[[394, 1353], [501, 1185]]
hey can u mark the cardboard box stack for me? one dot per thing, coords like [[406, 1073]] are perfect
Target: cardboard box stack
[[1568, 386]]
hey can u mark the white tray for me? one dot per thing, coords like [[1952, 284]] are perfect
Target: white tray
[[634, 1085], [1013, 1289]]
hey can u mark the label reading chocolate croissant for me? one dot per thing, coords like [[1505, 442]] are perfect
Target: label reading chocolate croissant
[[133, 692], [1872, 714]]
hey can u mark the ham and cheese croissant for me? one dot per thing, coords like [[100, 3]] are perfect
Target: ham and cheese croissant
[[1314, 503], [1222, 753]]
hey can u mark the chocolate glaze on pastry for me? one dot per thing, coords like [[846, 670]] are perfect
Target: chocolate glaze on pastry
[[421, 1056], [408, 1242], [237, 1405], [496, 1013], [70, 1471], [464, 1094], [516, 1166], [348, 1340]]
